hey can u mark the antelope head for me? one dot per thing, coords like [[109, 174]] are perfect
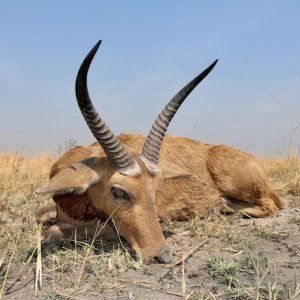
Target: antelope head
[[121, 185]]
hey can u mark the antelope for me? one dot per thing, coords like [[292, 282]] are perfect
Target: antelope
[[128, 183]]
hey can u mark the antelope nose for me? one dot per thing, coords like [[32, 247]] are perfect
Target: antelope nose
[[165, 255]]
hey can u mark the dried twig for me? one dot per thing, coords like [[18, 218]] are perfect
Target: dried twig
[[191, 293], [184, 258], [183, 281], [38, 272], [2, 259], [189, 254], [67, 296], [212, 295], [149, 287], [8, 266], [22, 271], [20, 288]]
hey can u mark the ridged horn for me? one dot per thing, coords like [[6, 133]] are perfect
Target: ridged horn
[[117, 155], [151, 148]]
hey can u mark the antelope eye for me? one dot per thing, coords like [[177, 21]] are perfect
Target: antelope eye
[[119, 194]]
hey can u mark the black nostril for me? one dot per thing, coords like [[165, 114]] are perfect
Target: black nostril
[[165, 255]]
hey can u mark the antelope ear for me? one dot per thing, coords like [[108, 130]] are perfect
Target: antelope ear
[[172, 171], [75, 179]]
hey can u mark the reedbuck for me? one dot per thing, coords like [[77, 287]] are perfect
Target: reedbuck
[[128, 183]]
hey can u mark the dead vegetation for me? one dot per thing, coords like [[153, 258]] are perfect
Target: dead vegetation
[[285, 174], [222, 257]]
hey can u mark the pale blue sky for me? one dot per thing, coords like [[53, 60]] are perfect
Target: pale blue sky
[[150, 50]]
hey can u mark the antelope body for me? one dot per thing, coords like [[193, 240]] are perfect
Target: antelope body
[[129, 182]]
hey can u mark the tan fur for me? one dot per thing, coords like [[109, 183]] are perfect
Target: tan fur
[[195, 179]]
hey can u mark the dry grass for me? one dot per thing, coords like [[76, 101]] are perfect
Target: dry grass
[[284, 173], [19, 177], [75, 268]]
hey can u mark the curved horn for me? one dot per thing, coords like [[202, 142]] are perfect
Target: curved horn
[[151, 148], [117, 155]]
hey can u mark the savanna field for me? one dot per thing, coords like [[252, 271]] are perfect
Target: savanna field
[[221, 257]]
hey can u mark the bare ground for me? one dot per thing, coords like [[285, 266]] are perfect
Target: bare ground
[[226, 257]]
